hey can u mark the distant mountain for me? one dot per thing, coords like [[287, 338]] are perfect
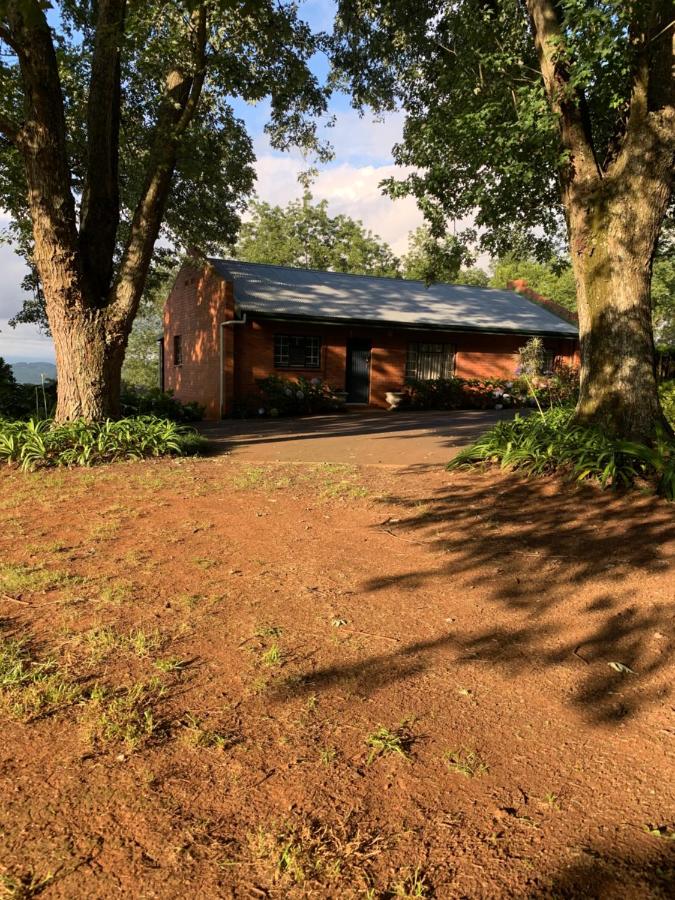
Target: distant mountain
[[31, 372]]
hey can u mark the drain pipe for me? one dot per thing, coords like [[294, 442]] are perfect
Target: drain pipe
[[223, 326]]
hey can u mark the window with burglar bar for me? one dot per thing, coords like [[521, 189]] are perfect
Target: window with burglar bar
[[429, 362], [293, 351], [549, 360]]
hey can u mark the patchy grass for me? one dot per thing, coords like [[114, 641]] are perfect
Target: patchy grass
[[328, 755], [172, 664], [411, 884], [272, 656], [20, 579], [101, 642], [260, 479], [199, 737], [331, 482], [385, 742], [23, 887], [29, 688], [268, 631], [117, 593], [311, 854], [126, 716], [551, 800], [664, 832], [466, 762]]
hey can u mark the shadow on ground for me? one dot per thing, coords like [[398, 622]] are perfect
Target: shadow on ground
[[405, 436], [606, 874], [554, 562]]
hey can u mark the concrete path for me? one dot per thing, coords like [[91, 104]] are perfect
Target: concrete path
[[355, 438]]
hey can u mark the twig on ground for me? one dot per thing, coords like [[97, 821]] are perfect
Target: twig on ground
[[579, 656], [400, 537], [11, 599]]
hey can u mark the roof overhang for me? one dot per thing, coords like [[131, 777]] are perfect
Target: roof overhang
[[252, 313]]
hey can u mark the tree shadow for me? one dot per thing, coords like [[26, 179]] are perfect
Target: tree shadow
[[600, 873], [555, 567]]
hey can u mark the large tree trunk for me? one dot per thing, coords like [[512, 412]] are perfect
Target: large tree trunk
[[89, 366], [90, 318], [614, 213], [618, 388]]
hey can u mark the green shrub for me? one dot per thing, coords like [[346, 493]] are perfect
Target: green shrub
[[138, 401], [667, 395], [441, 393], [18, 401], [542, 444], [39, 442], [561, 388], [291, 397]]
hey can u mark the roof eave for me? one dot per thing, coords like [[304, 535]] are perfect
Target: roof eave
[[254, 313]]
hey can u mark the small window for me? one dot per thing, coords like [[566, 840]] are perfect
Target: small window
[[549, 360], [177, 350], [429, 362], [292, 351]]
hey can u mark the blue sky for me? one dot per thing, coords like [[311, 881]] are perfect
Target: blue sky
[[350, 184]]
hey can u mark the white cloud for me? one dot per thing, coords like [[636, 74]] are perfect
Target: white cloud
[[349, 189], [362, 147], [25, 342], [364, 137]]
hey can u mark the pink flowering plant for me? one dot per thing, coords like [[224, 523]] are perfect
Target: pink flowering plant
[[299, 396], [559, 388]]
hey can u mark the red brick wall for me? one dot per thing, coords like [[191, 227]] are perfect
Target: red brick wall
[[477, 356], [200, 301]]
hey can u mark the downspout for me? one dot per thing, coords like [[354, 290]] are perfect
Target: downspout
[[223, 326], [160, 363]]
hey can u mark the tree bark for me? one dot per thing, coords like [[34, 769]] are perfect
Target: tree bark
[[614, 214], [89, 366], [618, 389]]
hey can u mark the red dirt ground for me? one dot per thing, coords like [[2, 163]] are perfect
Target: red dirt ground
[[278, 616]]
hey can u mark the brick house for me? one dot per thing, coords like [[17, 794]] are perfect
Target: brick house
[[228, 323]]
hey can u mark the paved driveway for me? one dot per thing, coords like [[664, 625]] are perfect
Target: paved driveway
[[363, 438]]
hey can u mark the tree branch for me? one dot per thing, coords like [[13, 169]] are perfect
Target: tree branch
[[8, 38], [650, 126], [567, 104], [100, 207], [43, 147], [182, 95]]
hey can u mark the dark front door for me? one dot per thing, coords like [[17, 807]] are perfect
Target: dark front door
[[358, 372]]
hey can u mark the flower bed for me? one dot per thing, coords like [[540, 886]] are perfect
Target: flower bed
[[290, 397], [559, 388]]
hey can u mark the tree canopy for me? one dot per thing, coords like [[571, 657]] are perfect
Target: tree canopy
[[118, 127], [545, 120], [304, 234], [553, 278], [480, 132], [431, 258]]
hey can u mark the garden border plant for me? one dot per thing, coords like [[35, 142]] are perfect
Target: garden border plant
[[40, 443], [547, 442], [559, 388]]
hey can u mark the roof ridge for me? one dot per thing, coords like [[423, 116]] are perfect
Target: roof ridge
[[480, 287]]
